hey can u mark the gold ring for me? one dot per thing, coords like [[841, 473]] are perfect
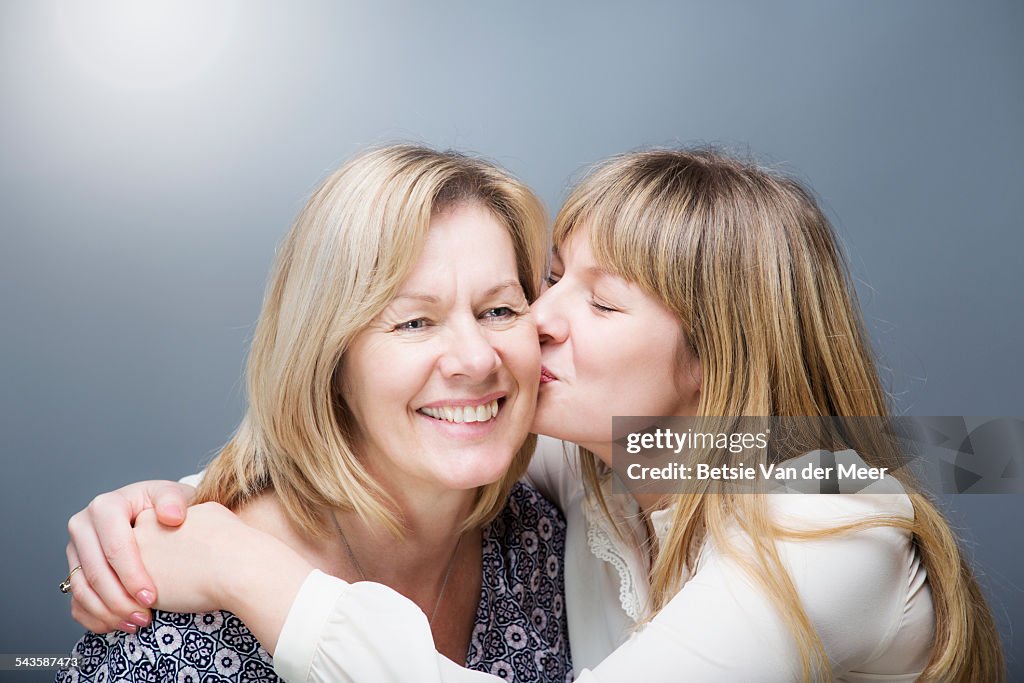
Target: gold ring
[[65, 585]]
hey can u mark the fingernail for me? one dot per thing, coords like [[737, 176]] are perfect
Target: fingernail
[[172, 511], [139, 618], [127, 628], [145, 597]]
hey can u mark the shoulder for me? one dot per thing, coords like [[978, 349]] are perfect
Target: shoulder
[[521, 624], [527, 512], [859, 498], [856, 588], [873, 557], [845, 546], [109, 656], [174, 645], [529, 532]]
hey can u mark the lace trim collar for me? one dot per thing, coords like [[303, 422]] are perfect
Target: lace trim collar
[[629, 562]]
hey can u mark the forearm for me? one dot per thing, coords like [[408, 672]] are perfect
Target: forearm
[[260, 590]]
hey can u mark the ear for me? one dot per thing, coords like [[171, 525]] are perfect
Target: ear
[[338, 391], [696, 379], [689, 379]]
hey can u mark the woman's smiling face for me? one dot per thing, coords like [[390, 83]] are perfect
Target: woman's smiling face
[[608, 348], [443, 383]]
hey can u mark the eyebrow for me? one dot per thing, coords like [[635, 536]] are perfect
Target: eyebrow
[[431, 299], [501, 286], [419, 297], [598, 271]]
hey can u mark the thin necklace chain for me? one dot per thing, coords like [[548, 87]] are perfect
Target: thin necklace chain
[[362, 574]]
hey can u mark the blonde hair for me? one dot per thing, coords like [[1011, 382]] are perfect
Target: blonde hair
[[751, 266], [342, 262]]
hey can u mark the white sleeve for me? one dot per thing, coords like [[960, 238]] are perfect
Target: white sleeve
[[193, 479], [341, 632]]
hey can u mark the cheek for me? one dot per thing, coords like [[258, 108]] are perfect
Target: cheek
[[661, 380], [634, 376], [607, 358], [520, 352], [386, 381]]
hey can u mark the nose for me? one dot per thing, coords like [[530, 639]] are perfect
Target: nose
[[551, 323], [469, 354]]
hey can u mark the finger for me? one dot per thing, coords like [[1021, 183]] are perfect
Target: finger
[[86, 607], [143, 495], [170, 500], [111, 531], [102, 582], [87, 620]]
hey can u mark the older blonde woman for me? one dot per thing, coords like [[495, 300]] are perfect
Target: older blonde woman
[[391, 383], [684, 283]]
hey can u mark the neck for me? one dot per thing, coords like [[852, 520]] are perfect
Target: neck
[[424, 552], [649, 502], [417, 565]]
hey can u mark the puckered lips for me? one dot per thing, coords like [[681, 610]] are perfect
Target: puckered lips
[[547, 376]]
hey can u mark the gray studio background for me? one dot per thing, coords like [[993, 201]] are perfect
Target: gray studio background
[[152, 154]]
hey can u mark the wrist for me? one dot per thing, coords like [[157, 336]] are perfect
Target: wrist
[[261, 582], [246, 571]]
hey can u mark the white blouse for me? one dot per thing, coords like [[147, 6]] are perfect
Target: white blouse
[[866, 594]]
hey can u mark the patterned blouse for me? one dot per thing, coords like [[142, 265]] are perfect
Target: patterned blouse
[[519, 633]]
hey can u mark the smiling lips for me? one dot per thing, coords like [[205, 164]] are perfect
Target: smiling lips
[[546, 376], [484, 412]]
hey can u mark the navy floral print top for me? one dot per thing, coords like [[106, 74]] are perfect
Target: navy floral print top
[[519, 634]]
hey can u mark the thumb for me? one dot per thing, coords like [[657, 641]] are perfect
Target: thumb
[[171, 501]]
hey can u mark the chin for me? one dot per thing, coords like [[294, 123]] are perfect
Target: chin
[[580, 434], [470, 484], [546, 423], [464, 476]]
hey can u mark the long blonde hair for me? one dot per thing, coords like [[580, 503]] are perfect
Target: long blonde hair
[[341, 264], [750, 265]]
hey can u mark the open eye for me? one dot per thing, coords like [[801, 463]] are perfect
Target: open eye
[[412, 325], [499, 313]]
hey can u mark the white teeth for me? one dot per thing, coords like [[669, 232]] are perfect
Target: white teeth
[[462, 414]]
